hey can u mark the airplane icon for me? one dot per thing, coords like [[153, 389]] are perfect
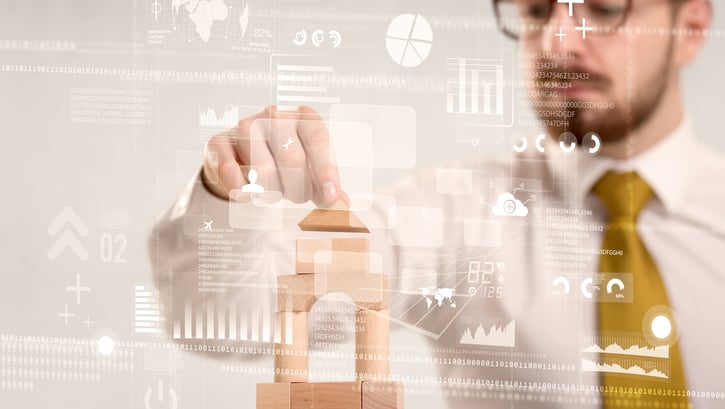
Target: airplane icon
[[207, 225], [289, 142]]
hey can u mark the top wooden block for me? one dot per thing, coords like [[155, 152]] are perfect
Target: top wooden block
[[336, 218]]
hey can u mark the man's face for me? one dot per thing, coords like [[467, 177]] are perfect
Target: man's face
[[628, 72]]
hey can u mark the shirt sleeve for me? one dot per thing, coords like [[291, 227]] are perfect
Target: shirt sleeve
[[207, 271]]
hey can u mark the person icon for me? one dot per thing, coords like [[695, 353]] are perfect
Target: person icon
[[252, 187]]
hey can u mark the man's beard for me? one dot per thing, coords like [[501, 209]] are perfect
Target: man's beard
[[618, 123]]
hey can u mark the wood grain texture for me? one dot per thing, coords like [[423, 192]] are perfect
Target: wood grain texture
[[330, 395], [327, 395], [295, 292], [300, 292], [335, 218], [334, 255], [274, 395], [372, 345], [382, 395]]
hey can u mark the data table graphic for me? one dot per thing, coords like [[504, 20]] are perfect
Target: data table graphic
[[302, 80]]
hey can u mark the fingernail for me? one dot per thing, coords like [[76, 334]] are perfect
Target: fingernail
[[329, 192]]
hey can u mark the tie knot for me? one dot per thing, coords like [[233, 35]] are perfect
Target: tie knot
[[623, 194]]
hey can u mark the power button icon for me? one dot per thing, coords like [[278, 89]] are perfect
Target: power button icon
[[162, 397]]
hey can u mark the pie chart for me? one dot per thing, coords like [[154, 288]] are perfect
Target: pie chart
[[409, 40]]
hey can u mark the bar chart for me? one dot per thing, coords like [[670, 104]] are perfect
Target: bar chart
[[147, 314], [475, 86], [213, 322]]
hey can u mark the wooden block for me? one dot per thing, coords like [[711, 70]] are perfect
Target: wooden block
[[295, 292], [274, 396], [330, 395], [372, 343], [365, 290], [300, 292], [335, 255], [382, 395], [337, 218], [291, 353], [301, 396], [327, 395]]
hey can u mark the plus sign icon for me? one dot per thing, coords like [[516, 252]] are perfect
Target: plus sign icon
[[508, 205], [583, 28], [571, 5]]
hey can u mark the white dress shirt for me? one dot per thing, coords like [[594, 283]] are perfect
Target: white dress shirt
[[456, 227], [685, 233]]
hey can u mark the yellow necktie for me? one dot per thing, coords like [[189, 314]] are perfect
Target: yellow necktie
[[647, 317]]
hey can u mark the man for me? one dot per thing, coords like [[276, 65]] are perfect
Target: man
[[604, 276]]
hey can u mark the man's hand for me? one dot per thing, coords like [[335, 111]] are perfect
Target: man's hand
[[290, 152]]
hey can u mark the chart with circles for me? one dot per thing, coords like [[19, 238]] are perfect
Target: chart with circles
[[409, 40]]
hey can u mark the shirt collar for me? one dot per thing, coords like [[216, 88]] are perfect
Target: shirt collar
[[661, 166]]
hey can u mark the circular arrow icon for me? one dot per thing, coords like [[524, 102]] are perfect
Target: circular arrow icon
[[521, 147], [335, 37], [615, 281], [318, 37], [567, 142], [593, 143], [300, 38], [562, 282], [539, 143], [585, 287]]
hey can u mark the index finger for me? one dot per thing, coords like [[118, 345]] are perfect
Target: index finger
[[315, 139]]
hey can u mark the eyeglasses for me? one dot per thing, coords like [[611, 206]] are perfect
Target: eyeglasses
[[528, 18]]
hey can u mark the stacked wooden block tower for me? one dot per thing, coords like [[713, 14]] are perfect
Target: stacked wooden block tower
[[323, 266]]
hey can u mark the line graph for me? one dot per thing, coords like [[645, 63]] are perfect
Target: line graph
[[495, 332], [625, 345], [208, 118], [627, 367]]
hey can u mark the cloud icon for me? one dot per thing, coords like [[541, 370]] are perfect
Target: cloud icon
[[508, 205]]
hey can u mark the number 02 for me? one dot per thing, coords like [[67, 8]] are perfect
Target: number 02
[[113, 248]]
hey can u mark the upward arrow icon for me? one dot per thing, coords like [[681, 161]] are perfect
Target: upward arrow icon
[[68, 238]]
